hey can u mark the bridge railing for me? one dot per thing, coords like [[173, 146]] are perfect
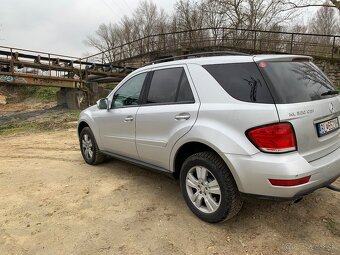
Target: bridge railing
[[37, 63], [36, 68], [254, 41]]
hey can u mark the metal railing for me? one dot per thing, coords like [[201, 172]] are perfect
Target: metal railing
[[254, 41], [27, 67], [37, 63]]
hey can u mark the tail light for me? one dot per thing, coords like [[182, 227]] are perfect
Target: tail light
[[274, 138], [289, 183]]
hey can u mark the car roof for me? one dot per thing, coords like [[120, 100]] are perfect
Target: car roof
[[225, 60]]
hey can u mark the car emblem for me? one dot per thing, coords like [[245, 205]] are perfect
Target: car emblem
[[331, 108]]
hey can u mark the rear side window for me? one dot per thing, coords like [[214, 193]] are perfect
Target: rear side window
[[295, 82], [243, 81], [184, 92], [169, 86]]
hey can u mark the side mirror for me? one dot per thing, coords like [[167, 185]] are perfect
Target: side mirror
[[103, 104]]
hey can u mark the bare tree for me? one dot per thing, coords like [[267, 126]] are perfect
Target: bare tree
[[189, 16], [105, 38], [213, 19], [297, 4], [325, 21], [232, 23], [147, 20], [256, 14]]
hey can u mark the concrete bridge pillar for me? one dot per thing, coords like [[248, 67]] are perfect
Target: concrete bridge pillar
[[79, 99], [74, 99]]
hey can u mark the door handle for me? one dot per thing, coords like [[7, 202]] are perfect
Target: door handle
[[128, 119], [183, 116]]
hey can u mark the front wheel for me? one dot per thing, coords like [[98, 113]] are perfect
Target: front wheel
[[209, 188], [89, 148]]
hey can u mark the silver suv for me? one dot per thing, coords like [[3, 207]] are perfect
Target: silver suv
[[227, 127]]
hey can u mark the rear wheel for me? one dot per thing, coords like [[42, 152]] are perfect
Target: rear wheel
[[209, 188], [89, 148]]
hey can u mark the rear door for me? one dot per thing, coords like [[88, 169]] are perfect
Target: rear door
[[168, 112], [305, 97]]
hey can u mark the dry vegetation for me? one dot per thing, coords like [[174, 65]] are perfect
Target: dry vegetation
[[32, 109]]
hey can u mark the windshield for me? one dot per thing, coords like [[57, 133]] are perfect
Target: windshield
[[295, 82]]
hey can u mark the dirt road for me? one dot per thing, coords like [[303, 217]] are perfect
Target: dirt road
[[53, 203]]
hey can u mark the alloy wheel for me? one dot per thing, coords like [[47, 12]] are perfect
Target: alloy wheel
[[87, 146], [203, 189]]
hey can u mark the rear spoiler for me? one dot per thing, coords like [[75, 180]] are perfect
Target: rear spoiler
[[282, 58]]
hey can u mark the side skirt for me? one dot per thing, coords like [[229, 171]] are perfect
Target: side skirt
[[140, 164]]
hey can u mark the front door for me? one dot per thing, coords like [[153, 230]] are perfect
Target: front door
[[117, 126]]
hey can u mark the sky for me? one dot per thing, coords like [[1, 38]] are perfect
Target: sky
[[60, 26]]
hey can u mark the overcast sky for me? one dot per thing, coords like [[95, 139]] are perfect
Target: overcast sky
[[60, 26]]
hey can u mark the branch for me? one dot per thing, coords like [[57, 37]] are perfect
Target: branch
[[336, 4]]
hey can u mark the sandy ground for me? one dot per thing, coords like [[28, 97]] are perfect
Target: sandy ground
[[51, 202], [27, 105]]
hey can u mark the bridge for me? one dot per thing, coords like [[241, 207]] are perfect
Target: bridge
[[75, 77], [157, 46], [78, 78]]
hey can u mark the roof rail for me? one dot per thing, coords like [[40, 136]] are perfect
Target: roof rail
[[198, 55]]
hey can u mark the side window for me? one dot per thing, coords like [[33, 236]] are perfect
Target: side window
[[169, 86], [185, 93], [242, 81], [164, 84], [129, 93]]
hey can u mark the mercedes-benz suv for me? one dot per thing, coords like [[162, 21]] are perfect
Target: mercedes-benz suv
[[225, 126]]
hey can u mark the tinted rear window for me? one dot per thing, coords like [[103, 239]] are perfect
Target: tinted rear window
[[295, 82], [164, 86], [185, 93], [242, 81]]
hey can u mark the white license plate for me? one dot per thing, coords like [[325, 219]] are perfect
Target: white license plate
[[327, 127]]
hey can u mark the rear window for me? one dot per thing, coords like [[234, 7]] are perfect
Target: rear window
[[242, 81], [295, 82]]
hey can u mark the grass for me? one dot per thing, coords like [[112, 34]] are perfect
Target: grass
[[56, 121], [23, 92], [42, 93], [46, 93]]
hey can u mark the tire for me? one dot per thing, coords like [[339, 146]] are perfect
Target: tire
[[204, 200], [88, 143]]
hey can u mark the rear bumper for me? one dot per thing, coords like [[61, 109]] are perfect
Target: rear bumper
[[296, 197], [252, 173]]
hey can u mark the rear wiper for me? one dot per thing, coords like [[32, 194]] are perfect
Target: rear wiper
[[330, 92]]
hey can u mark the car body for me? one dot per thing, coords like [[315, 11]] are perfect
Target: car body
[[273, 120]]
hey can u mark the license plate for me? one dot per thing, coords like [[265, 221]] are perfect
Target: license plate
[[327, 127]]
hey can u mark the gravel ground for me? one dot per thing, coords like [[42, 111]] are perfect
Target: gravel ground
[[51, 202]]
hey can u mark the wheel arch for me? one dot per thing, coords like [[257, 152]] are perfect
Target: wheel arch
[[82, 124], [192, 147], [185, 151]]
